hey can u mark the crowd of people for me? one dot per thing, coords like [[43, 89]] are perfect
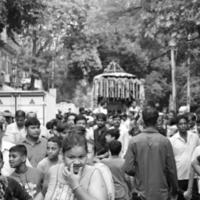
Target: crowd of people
[[139, 155]]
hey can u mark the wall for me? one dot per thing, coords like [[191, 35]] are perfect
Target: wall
[[41, 102]]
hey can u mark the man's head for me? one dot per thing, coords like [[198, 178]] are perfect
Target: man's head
[[100, 120], [31, 115], [115, 147], [53, 148], [71, 119], [191, 120], [81, 111], [20, 118], [182, 124], [171, 115], [33, 128], [110, 119], [150, 116], [80, 120], [112, 134], [8, 116], [116, 121], [17, 155]]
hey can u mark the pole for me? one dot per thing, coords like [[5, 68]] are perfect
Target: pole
[[188, 84], [173, 71], [188, 75], [53, 73]]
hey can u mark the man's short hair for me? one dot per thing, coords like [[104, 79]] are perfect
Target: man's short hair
[[80, 117], [150, 116], [56, 140], [179, 117], [115, 147], [32, 122], [113, 133], [20, 113], [101, 116], [20, 148], [60, 127], [31, 114], [51, 124]]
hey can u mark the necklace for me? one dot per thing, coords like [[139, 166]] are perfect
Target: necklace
[[24, 182]]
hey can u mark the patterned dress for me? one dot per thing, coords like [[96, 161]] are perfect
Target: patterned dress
[[58, 189]]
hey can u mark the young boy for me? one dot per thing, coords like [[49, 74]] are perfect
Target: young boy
[[53, 155], [115, 163], [10, 189], [111, 135], [36, 145], [29, 178]]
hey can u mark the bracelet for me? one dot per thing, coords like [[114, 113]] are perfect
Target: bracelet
[[76, 187]]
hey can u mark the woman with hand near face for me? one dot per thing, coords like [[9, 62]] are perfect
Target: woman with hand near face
[[74, 179]]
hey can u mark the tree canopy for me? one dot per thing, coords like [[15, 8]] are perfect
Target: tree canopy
[[72, 40], [15, 15]]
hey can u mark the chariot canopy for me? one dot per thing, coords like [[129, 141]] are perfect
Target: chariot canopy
[[114, 84]]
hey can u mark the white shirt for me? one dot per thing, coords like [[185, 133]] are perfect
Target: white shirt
[[89, 133], [124, 138], [100, 110], [13, 134], [44, 132], [183, 152], [196, 153]]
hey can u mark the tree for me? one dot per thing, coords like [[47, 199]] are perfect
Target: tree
[[147, 27], [15, 15], [57, 50]]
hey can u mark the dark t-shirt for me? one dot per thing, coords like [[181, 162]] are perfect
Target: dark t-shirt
[[12, 189], [100, 145]]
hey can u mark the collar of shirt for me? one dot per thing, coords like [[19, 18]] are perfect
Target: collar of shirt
[[28, 142], [150, 130], [189, 135], [19, 129]]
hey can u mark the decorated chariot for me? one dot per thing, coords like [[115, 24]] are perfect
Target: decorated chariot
[[117, 88]]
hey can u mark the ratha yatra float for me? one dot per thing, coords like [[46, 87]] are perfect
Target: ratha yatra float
[[117, 88]]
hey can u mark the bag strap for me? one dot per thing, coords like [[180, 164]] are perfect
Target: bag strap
[[57, 172]]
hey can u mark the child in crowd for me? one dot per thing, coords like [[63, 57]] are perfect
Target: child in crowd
[[10, 189], [29, 178], [74, 179], [53, 152], [115, 163]]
